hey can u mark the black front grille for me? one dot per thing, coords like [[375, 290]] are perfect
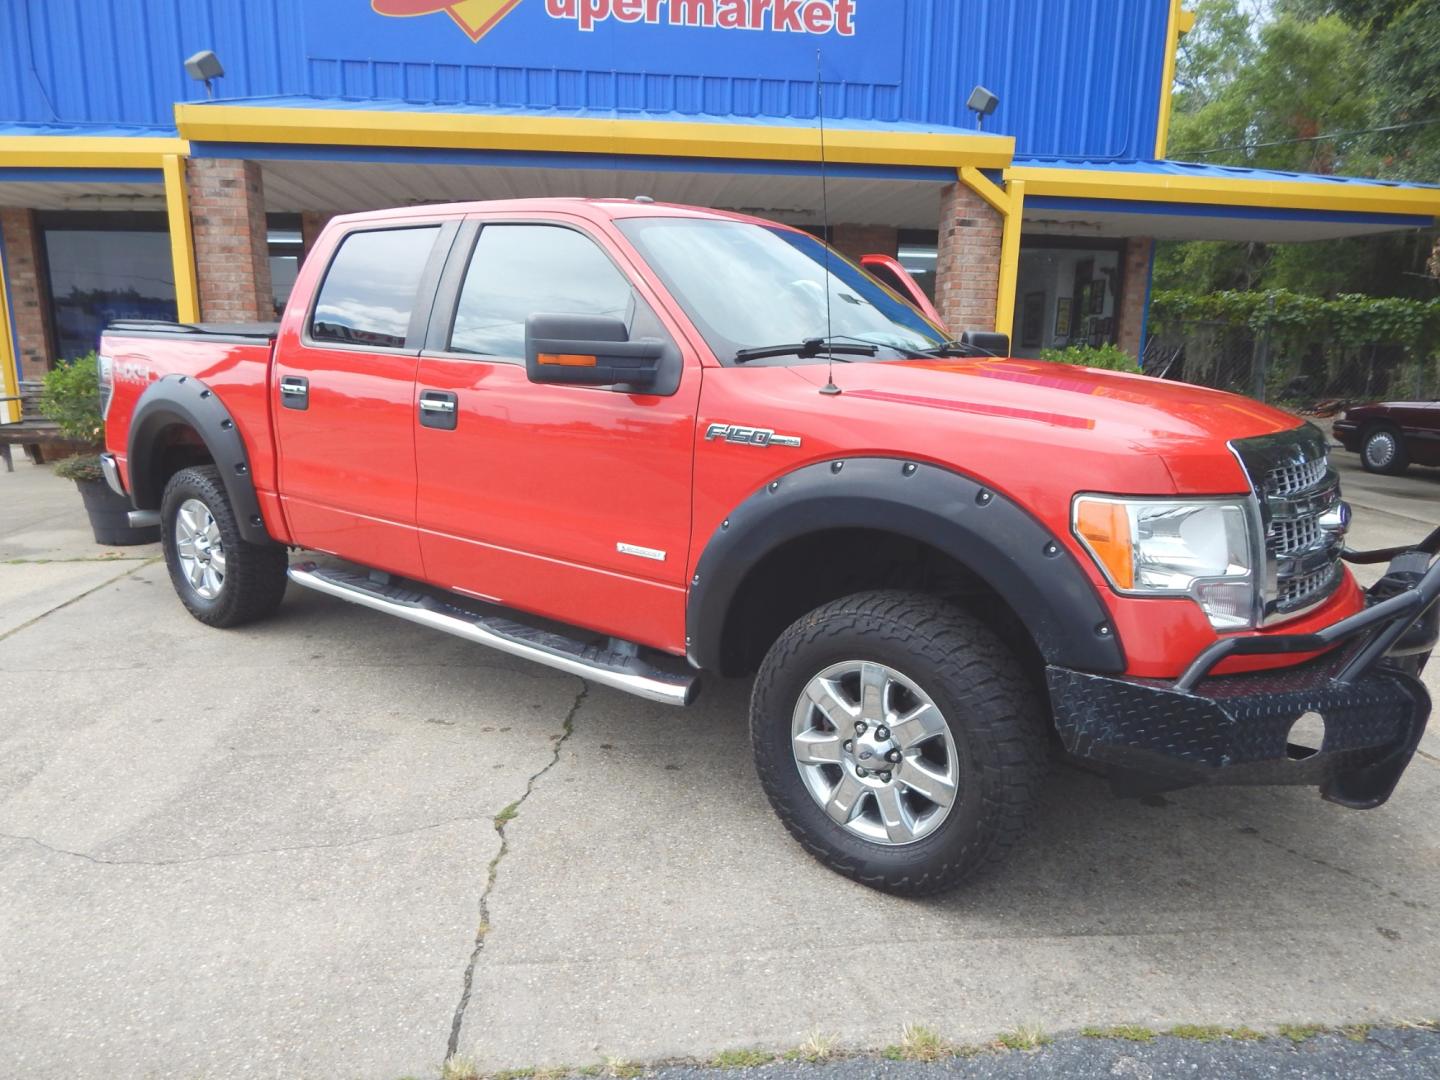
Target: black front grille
[[1296, 487]]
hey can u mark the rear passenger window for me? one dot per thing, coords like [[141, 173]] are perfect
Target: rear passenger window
[[369, 290], [519, 270]]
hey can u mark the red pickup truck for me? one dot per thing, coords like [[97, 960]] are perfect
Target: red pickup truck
[[640, 443]]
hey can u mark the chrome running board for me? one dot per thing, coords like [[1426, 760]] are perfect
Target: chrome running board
[[618, 670]]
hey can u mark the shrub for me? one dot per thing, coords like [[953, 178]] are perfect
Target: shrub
[[71, 398], [1106, 357]]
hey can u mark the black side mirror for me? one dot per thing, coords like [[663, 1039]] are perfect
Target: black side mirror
[[588, 350]]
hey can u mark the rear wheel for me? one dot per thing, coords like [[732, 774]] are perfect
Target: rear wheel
[[221, 578], [1383, 451], [898, 740]]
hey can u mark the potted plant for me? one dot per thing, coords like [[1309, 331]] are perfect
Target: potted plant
[[71, 398]]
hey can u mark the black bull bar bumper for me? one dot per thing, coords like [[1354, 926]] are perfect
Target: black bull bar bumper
[[1155, 735]]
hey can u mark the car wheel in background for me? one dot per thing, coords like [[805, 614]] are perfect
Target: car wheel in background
[[1383, 451]]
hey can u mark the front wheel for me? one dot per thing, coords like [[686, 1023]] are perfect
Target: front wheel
[[898, 740], [220, 577]]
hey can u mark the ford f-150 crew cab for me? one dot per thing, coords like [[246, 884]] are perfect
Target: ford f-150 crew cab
[[644, 443]]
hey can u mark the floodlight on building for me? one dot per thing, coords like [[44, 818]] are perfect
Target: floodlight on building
[[203, 67], [982, 103]]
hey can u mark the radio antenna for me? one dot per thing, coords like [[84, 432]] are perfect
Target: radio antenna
[[829, 388]]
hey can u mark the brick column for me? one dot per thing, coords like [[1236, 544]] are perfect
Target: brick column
[[967, 272], [227, 213], [29, 294], [1135, 282], [855, 241], [312, 223]]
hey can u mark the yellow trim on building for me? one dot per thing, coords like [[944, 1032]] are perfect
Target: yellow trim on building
[[1010, 258], [991, 192], [484, 131], [87, 152], [9, 379], [1334, 195], [182, 241], [1173, 31]]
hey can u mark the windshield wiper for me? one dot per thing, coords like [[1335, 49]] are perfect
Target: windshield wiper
[[806, 350]]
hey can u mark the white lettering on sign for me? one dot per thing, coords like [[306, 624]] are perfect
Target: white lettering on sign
[[783, 16]]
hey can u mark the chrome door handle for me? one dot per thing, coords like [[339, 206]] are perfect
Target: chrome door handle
[[294, 392], [431, 405], [291, 385]]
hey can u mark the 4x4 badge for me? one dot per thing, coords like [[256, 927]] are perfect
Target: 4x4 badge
[[749, 436]]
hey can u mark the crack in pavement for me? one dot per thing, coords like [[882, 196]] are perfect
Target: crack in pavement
[[129, 569], [1380, 887], [243, 852], [508, 814]]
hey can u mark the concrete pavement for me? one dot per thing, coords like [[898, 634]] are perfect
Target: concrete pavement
[[272, 853]]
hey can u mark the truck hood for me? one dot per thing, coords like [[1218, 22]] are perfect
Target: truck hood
[[1188, 427]]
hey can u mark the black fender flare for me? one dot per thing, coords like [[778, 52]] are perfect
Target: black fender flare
[[186, 401], [993, 536]]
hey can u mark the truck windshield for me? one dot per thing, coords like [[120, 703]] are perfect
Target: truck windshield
[[747, 286]]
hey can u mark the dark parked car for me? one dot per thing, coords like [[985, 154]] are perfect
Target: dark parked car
[[1391, 435]]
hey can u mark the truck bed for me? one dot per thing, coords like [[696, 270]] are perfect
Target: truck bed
[[258, 333]]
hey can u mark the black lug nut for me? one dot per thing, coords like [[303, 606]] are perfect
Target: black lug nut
[[885, 776], [849, 745], [862, 772], [893, 757], [859, 727], [882, 733]]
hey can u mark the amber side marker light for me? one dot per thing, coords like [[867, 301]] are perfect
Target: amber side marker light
[[568, 360], [1105, 528]]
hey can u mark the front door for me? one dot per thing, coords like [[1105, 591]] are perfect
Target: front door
[[343, 390], [570, 502]]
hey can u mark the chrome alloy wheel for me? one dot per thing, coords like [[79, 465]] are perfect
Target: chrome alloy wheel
[[198, 546], [875, 753], [1380, 449]]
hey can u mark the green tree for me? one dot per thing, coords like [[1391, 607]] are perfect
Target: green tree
[[1279, 87]]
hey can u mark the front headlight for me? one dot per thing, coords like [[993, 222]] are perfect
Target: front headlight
[[1200, 548]]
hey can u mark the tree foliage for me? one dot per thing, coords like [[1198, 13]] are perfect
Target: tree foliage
[[1258, 82]]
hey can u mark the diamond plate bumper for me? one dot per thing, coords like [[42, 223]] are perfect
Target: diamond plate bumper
[[1153, 735]]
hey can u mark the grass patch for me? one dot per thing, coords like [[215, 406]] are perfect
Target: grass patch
[[1197, 1032], [741, 1059], [1298, 1033], [1244, 1034], [620, 1069], [1023, 1038], [509, 814], [459, 1068], [816, 1048], [918, 1043], [1356, 1032], [513, 1074], [1128, 1032]]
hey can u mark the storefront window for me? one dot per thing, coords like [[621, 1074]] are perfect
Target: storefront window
[[1065, 295], [102, 267]]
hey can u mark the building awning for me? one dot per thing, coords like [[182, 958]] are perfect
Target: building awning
[[394, 131], [1183, 201]]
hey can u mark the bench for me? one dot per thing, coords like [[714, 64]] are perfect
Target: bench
[[32, 431]]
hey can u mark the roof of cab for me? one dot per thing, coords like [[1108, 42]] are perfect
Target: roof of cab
[[592, 209]]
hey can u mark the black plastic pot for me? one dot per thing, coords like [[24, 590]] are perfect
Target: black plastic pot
[[109, 516]]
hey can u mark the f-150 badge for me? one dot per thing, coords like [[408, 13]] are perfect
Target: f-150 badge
[[749, 436]]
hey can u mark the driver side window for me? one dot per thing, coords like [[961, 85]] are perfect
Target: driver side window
[[519, 270]]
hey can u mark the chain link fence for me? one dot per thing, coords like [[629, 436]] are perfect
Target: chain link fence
[[1313, 378]]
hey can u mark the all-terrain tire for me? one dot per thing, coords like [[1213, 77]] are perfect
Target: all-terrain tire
[[994, 714], [253, 580], [1382, 450]]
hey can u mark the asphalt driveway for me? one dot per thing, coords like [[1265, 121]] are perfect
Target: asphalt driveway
[[273, 852]]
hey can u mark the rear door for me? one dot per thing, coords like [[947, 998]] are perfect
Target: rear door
[[343, 395], [568, 501]]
